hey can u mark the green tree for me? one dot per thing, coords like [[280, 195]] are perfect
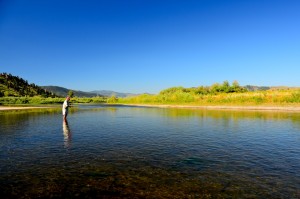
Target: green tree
[[225, 87], [235, 84], [215, 88], [201, 90], [171, 90], [237, 88], [112, 99], [70, 93]]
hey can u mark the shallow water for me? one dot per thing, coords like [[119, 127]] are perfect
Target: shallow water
[[139, 152]]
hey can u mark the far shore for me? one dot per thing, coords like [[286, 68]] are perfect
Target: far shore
[[7, 108], [289, 108], [224, 107]]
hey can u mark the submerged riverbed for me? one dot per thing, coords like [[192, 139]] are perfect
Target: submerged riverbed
[[142, 152]]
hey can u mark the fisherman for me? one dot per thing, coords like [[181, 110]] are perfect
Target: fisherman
[[65, 108]]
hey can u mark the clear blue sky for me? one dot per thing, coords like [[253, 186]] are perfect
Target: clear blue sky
[[148, 45]]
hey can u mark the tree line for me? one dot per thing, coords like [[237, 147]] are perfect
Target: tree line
[[216, 88]]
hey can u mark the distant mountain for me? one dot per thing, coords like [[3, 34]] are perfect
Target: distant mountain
[[17, 87], [109, 93], [264, 88], [61, 91], [256, 88]]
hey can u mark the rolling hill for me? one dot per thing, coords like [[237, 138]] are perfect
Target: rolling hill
[[15, 86], [113, 93], [61, 91]]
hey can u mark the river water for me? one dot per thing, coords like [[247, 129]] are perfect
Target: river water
[[139, 152]]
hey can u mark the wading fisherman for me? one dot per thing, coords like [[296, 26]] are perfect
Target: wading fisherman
[[65, 108]]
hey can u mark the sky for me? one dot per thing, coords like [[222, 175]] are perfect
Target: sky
[[145, 46]]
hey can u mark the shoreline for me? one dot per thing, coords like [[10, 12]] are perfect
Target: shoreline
[[223, 107], [208, 107], [9, 108]]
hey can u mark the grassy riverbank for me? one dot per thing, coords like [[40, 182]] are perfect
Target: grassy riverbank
[[257, 98], [180, 97]]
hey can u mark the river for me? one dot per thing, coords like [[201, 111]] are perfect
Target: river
[[146, 152]]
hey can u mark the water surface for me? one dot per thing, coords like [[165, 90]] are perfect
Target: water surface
[[139, 152]]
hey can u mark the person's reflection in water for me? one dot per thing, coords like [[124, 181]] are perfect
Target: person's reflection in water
[[67, 134]]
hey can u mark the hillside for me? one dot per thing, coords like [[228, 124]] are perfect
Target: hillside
[[17, 87], [113, 93], [61, 91], [14, 86], [257, 88], [265, 88]]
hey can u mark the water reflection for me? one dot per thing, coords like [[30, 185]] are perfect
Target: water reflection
[[67, 134], [133, 152], [228, 115]]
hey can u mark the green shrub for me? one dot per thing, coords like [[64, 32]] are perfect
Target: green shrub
[[295, 97], [112, 99]]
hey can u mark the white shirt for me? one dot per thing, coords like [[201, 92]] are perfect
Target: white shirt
[[65, 107]]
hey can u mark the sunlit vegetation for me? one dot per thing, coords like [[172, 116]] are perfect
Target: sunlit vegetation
[[14, 86], [49, 100], [112, 99], [15, 90], [217, 94]]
